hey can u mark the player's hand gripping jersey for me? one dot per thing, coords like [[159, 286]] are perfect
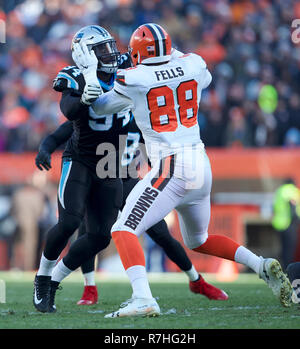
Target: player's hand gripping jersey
[[164, 99]]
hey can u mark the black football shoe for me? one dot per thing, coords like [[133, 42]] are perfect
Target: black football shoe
[[41, 293], [293, 272], [54, 286]]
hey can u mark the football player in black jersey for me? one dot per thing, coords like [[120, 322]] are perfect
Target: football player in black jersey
[[81, 192], [159, 232]]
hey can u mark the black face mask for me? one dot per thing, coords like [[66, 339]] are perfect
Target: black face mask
[[107, 53]]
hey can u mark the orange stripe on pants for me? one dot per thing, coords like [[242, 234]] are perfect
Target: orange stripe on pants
[[129, 249]]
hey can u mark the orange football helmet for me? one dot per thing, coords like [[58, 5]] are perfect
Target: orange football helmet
[[150, 43]]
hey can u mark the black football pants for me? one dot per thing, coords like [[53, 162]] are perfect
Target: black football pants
[[85, 199]]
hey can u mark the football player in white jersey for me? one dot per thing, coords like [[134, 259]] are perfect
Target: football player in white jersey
[[164, 89]]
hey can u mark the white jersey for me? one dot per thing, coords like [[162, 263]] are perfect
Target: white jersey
[[164, 100]]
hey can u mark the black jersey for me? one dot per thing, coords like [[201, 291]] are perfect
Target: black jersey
[[132, 147], [89, 129], [133, 143]]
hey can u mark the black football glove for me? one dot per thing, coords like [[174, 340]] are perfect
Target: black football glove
[[43, 160]]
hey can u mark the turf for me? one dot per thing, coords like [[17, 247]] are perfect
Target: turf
[[251, 305]]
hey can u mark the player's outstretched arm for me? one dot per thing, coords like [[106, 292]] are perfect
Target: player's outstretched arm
[[111, 102], [51, 143]]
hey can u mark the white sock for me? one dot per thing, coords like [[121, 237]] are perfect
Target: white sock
[[248, 258], [89, 279], [60, 272], [139, 282], [46, 266], [192, 274]]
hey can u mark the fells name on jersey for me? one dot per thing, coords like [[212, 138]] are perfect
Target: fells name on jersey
[[168, 73]]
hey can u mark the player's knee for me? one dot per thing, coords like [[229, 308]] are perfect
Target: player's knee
[[116, 227], [196, 241], [163, 240], [203, 237], [69, 224], [99, 241]]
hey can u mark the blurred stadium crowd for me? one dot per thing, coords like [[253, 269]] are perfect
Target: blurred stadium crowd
[[246, 44], [253, 100]]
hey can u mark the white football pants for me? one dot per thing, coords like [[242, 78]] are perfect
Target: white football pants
[[181, 181]]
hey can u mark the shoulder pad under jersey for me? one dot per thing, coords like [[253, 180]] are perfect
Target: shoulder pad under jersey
[[194, 58], [125, 77], [69, 78]]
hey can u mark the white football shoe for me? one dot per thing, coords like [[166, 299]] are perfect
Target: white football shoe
[[136, 307], [271, 272]]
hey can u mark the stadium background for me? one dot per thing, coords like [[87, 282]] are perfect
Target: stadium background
[[249, 116]]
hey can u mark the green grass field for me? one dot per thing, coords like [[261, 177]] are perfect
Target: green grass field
[[251, 305]]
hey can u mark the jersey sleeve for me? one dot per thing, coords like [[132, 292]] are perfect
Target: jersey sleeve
[[57, 138], [69, 78], [71, 106], [70, 82], [126, 81], [206, 79], [62, 134], [200, 65], [111, 102]]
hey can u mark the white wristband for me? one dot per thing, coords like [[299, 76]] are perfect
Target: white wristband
[[91, 78]]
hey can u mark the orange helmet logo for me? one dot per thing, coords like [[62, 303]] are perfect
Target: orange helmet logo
[[150, 43]]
